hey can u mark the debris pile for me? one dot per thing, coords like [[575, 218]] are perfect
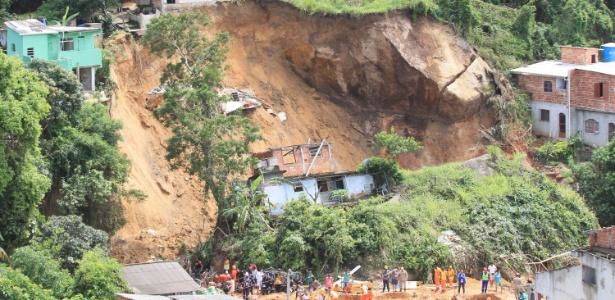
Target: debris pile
[[243, 99]]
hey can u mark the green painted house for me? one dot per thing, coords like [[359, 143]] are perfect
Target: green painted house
[[74, 48]]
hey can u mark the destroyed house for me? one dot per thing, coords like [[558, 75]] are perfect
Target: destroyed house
[[593, 278], [307, 170], [573, 96]]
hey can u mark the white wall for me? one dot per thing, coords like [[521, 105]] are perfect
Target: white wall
[[600, 138], [567, 283], [359, 184], [551, 128], [562, 284], [280, 194]]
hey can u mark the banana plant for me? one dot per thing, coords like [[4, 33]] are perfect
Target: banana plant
[[247, 206], [66, 18]]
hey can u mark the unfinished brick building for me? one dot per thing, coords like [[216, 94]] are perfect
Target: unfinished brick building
[[574, 95]]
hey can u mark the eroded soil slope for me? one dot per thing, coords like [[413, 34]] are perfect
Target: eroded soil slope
[[340, 79]]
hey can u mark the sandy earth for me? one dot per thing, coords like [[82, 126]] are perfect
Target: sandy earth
[[174, 211]]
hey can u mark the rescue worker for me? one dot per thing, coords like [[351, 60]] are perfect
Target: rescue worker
[[484, 276], [443, 280], [385, 274], [451, 276], [436, 277]]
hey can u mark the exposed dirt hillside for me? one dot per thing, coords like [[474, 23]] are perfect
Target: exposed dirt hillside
[[341, 79]]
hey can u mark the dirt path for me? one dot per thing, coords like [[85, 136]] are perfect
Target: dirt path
[[472, 293]]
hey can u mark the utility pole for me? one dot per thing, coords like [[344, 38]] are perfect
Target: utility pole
[[288, 284]]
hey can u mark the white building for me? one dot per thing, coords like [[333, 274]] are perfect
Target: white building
[[593, 279]]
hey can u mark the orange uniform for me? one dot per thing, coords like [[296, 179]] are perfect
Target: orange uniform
[[368, 296], [443, 280], [451, 276], [436, 277]]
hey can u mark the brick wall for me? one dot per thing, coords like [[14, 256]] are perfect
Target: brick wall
[[322, 163], [535, 86], [582, 93], [603, 238], [581, 56]]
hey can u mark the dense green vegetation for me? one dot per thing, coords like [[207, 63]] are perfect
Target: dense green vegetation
[[510, 218], [66, 260], [596, 180]]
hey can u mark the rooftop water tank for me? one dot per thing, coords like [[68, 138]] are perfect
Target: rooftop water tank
[[608, 52]]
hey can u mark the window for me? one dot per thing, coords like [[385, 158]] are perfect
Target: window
[[560, 84], [589, 275], [67, 44], [548, 87], [288, 155], [600, 89], [591, 126], [544, 115], [298, 186], [593, 58], [13, 47], [314, 150], [30, 52]]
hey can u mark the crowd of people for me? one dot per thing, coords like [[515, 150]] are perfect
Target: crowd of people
[[490, 278], [251, 281]]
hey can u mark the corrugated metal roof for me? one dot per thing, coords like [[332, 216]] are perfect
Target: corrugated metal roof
[[551, 68], [159, 278], [30, 26], [604, 68], [33, 26]]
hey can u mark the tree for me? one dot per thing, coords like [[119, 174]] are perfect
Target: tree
[[99, 276], [247, 206], [89, 10], [80, 143], [596, 181], [205, 142], [22, 183], [67, 238], [65, 95], [43, 269], [460, 13], [395, 144], [16, 286]]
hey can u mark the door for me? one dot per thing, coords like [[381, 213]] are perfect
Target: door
[[562, 125], [611, 131]]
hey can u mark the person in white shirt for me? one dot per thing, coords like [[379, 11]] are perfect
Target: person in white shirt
[[492, 268]]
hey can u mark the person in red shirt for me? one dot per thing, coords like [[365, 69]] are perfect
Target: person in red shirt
[[328, 282]]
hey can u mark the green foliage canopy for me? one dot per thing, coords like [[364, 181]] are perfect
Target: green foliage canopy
[[43, 269], [16, 286], [67, 238], [89, 10], [395, 144], [596, 181], [80, 144], [99, 276], [22, 185]]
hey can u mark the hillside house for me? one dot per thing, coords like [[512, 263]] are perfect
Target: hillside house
[[574, 95], [308, 170], [593, 279], [73, 48]]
